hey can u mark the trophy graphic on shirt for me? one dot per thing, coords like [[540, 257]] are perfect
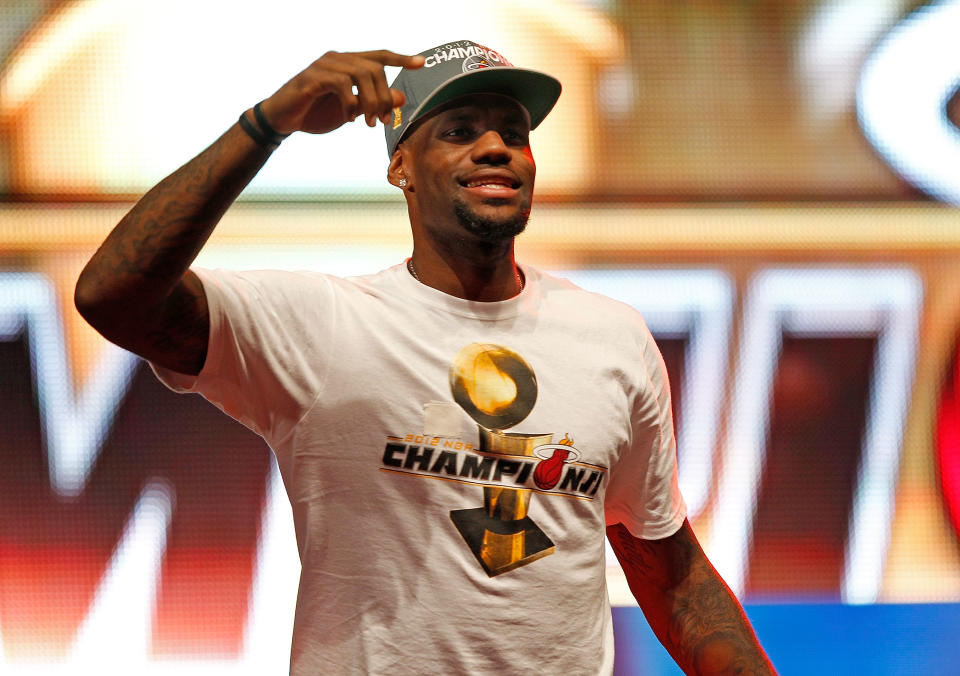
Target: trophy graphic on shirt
[[497, 388]]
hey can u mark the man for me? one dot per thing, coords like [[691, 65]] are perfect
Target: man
[[432, 539]]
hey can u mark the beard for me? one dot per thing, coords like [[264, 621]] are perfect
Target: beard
[[491, 229]]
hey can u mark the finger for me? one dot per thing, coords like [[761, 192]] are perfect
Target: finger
[[376, 100], [387, 58], [399, 98], [342, 85], [365, 74], [325, 76], [384, 96], [367, 93]]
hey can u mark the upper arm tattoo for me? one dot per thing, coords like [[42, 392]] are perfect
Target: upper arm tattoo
[[636, 555], [178, 340]]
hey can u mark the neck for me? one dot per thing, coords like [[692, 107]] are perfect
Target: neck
[[484, 278]]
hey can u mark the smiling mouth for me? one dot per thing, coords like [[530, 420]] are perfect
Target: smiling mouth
[[491, 183]]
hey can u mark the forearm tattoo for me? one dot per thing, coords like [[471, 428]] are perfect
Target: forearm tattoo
[[693, 612], [138, 275], [163, 233]]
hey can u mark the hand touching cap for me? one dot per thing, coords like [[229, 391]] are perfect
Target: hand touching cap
[[336, 89]]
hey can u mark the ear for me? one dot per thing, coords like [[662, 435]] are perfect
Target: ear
[[395, 170]]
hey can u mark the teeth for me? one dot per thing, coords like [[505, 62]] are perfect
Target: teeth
[[488, 185]]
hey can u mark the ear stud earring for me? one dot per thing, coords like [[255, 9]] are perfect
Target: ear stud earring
[[402, 183]]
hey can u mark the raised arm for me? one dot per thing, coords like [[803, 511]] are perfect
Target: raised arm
[[137, 290], [689, 607]]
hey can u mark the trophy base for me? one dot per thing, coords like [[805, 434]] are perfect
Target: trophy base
[[501, 546]]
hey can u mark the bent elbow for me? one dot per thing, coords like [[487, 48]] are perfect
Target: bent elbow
[[88, 300], [84, 299], [101, 310]]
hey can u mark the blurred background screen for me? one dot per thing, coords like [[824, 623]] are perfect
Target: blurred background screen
[[773, 183]]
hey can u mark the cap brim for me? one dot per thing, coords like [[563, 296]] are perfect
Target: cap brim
[[532, 89]]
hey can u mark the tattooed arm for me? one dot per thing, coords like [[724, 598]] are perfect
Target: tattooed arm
[[137, 289], [688, 605]]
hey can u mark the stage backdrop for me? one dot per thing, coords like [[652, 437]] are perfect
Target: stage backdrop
[[772, 184]]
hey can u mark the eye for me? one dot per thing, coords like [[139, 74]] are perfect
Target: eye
[[514, 137], [460, 132]]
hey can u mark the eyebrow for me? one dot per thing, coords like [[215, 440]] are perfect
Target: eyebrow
[[459, 117], [510, 118]]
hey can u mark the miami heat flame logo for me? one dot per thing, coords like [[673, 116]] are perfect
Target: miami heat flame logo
[[548, 471], [475, 63]]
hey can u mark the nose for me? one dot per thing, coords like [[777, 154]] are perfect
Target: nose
[[490, 149]]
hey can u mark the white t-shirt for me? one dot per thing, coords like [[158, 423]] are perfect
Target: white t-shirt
[[335, 374]]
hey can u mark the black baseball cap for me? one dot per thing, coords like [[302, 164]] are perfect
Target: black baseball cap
[[464, 67]]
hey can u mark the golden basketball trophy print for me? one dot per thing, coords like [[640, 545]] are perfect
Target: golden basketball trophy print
[[498, 389]]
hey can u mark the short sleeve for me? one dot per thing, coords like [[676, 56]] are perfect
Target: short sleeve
[[268, 349], [644, 492]]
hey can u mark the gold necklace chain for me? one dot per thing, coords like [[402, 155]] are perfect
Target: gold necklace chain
[[413, 271]]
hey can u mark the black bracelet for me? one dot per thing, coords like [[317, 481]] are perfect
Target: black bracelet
[[265, 127], [255, 134]]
